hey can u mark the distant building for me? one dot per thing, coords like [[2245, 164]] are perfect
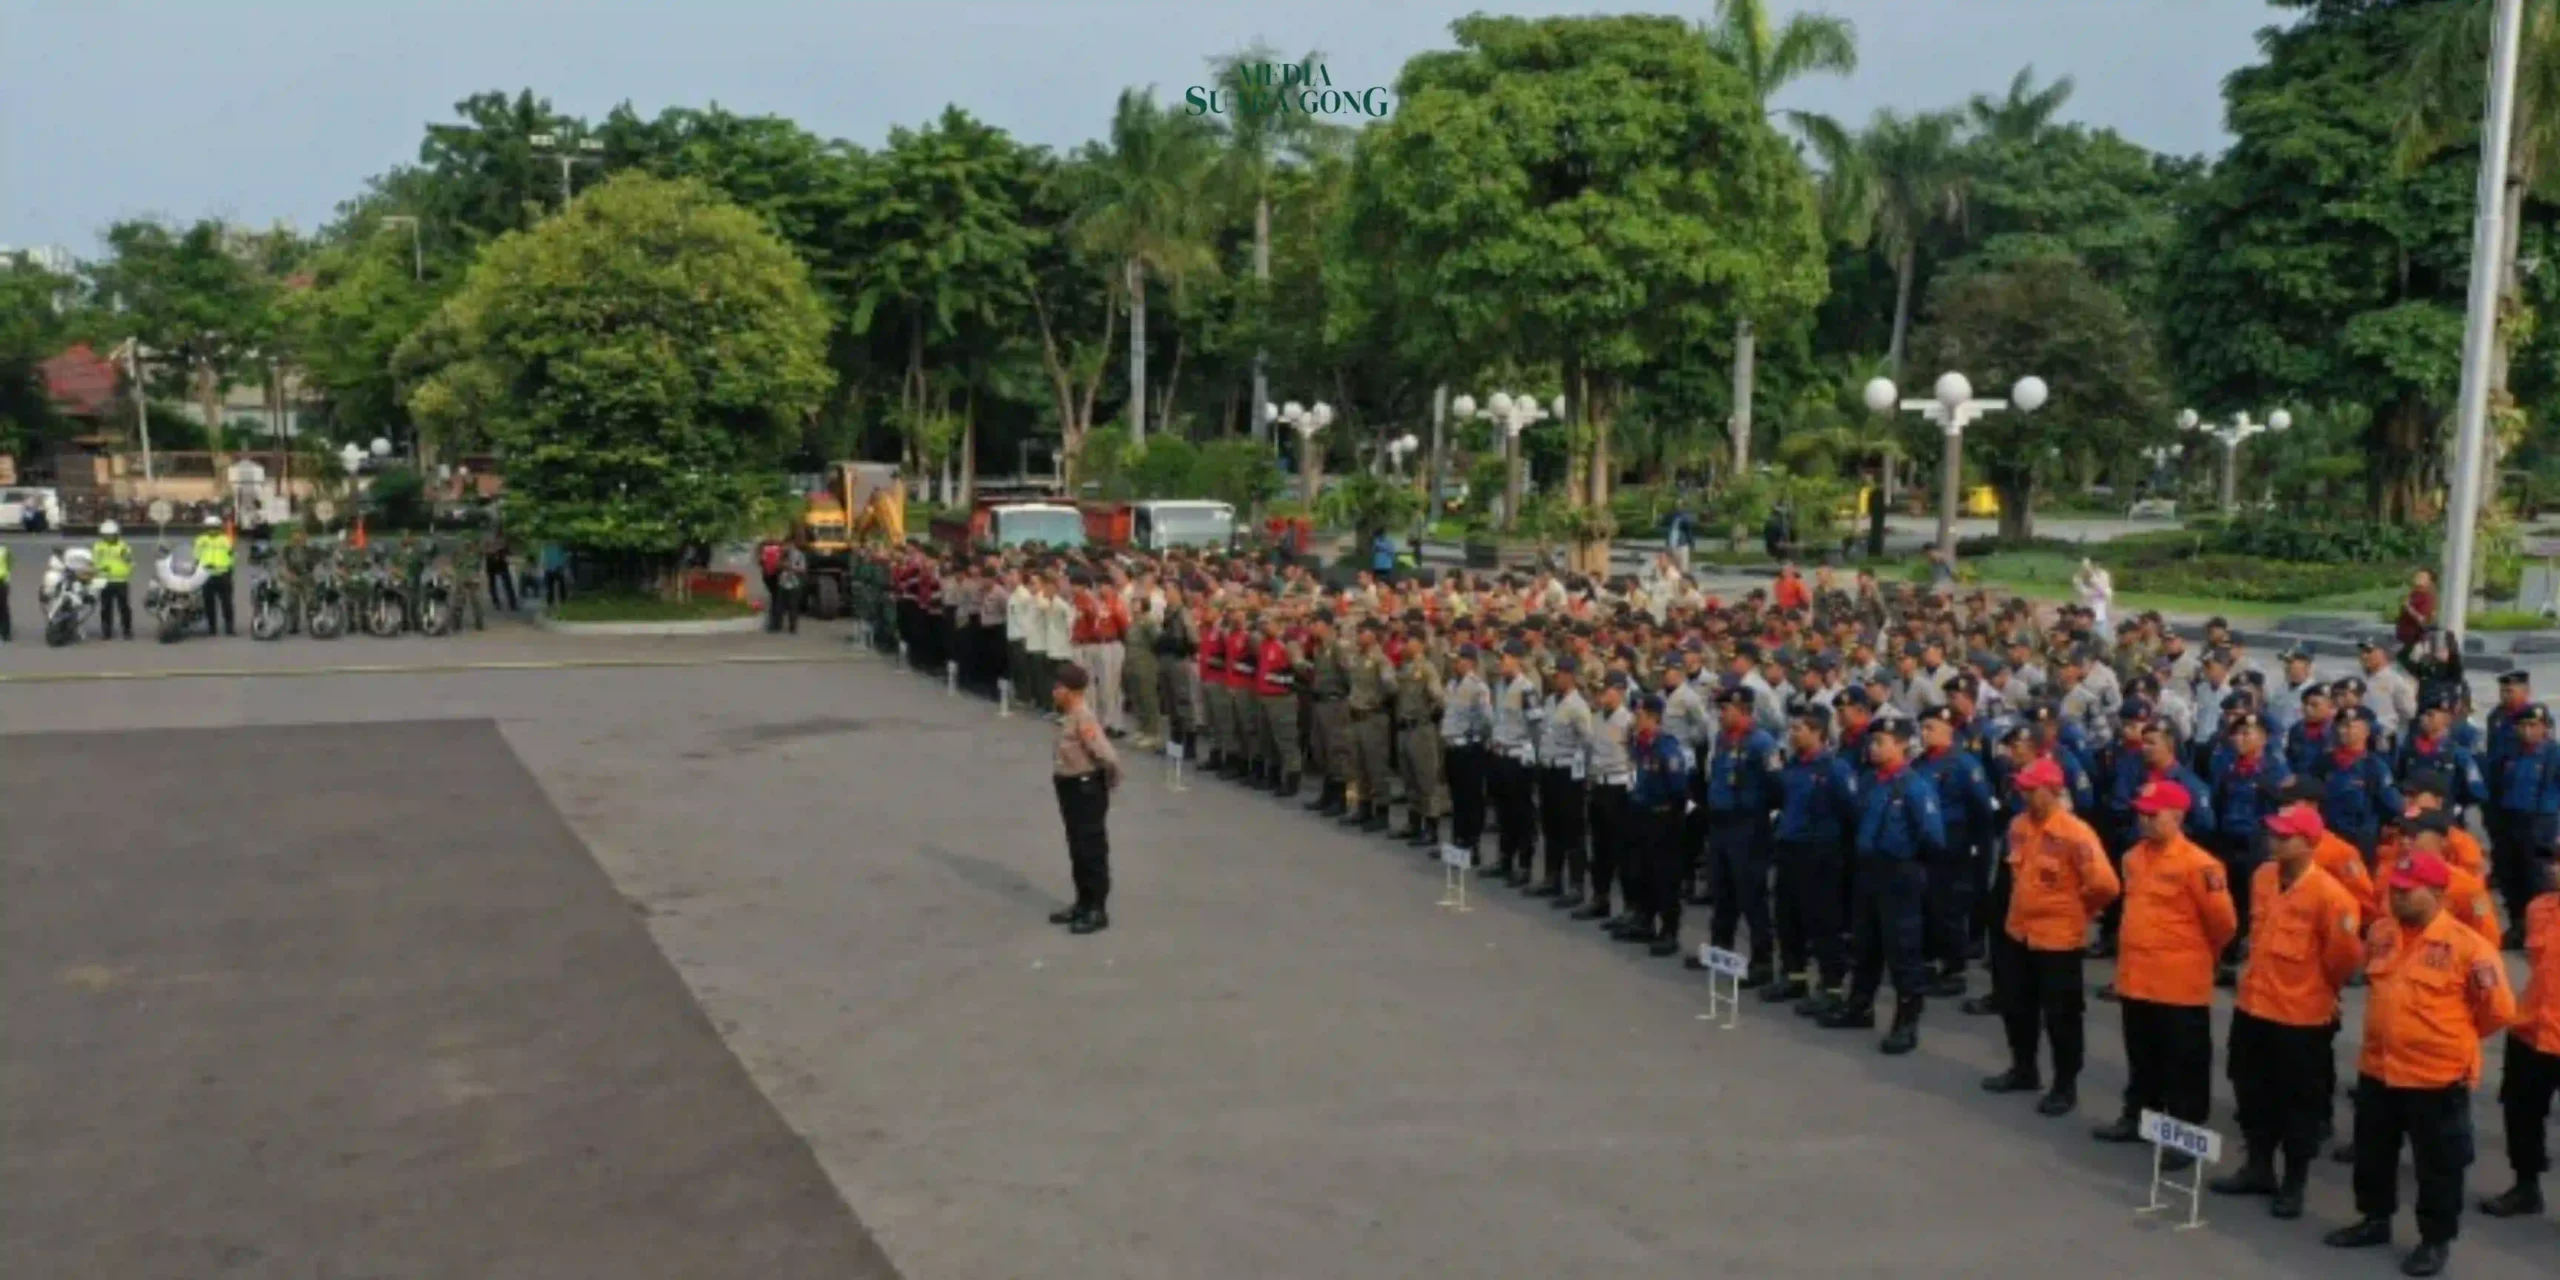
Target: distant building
[[82, 385], [44, 257]]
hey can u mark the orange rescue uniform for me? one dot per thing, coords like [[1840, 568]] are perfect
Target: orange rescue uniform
[[2177, 919], [2305, 944], [2345, 864], [2538, 1011], [2433, 995], [2059, 880]]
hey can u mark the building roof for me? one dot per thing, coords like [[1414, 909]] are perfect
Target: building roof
[[80, 382]]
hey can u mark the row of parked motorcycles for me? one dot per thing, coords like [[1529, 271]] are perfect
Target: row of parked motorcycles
[[372, 594]]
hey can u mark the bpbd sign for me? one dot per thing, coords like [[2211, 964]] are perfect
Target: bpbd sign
[[1285, 88]]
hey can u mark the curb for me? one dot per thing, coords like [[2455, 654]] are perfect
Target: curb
[[708, 627]]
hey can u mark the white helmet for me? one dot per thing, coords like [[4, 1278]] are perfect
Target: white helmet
[[109, 529]]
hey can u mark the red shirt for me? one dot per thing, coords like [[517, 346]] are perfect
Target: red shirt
[[1240, 659], [1274, 674], [1213, 655]]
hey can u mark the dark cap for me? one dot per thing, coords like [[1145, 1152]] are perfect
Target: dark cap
[[1896, 727], [1650, 704], [1812, 713], [2435, 820], [2349, 685], [1074, 677], [2424, 782], [2239, 700], [2366, 645], [1734, 698], [1826, 661], [1469, 652], [2534, 713], [1966, 685], [1945, 713], [2134, 710], [2296, 654], [1614, 680], [2016, 734], [2039, 713], [2249, 720], [1514, 649], [1568, 665], [2515, 678], [1852, 696]]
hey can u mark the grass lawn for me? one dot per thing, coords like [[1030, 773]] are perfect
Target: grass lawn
[[2045, 575], [630, 608]]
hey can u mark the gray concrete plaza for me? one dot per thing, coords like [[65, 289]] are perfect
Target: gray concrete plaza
[[1282, 1061]]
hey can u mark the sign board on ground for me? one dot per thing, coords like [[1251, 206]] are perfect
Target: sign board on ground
[[2172, 1134], [1731, 964], [160, 511]]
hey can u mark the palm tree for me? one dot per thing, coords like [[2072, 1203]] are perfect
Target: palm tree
[[1143, 212], [1917, 182], [2439, 92], [2025, 113], [1770, 58], [1259, 142]]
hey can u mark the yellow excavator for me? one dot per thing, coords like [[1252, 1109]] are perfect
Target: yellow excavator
[[861, 504]]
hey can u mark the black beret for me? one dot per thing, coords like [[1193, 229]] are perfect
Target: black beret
[[1947, 714], [2134, 709], [2249, 720], [1812, 713], [1650, 703], [1515, 649], [1851, 697], [2349, 685], [1734, 698], [1568, 666], [2535, 713], [1615, 680], [2515, 678]]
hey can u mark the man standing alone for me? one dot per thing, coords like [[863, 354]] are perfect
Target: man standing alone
[[1086, 770]]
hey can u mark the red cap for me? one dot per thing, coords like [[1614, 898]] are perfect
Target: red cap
[[2420, 870], [2162, 797], [2042, 773], [2297, 820]]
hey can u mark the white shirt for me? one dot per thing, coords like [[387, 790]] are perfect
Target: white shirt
[[1057, 617], [1017, 614]]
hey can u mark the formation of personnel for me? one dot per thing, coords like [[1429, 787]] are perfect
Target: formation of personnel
[[1868, 783]]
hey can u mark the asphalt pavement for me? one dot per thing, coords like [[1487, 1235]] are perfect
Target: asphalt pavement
[[1282, 1060]]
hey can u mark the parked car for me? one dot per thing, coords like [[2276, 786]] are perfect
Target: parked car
[[30, 509]]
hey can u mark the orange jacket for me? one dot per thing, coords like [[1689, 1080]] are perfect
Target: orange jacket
[[2058, 880], [2538, 1012], [2461, 852], [2345, 864], [2306, 943], [2434, 994], [2467, 899], [2177, 919]]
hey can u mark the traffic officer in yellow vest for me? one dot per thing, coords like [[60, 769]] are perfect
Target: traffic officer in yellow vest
[[113, 558], [213, 555]]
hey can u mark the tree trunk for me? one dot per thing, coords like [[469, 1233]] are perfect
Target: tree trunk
[[2017, 505], [1594, 554], [1905, 268], [1137, 285], [1261, 273], [1744, 348], [968, 496], [1172, 384]]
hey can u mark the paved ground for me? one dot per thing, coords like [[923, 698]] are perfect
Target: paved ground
[[1282, 1061], [398, 1026]]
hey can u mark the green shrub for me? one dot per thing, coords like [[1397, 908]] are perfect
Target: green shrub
[[2275, 537], [2511, 620], [2239, 577]]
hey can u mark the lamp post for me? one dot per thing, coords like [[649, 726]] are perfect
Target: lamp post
[[568, 154], [417, 247], [1398, 450], [2231, 434], [1953, 408], [1306, 420], [1512, 414]]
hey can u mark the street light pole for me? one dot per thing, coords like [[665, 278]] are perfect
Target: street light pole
[[1306, 420], [1512, 414], [569, 155], [2240, 428], [1953, 408], [2480, 324]]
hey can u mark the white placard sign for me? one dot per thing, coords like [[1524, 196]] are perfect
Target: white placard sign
[[2169, 1136], [160, 511], [2172, 1134], [1732, 964], [1724, 984]]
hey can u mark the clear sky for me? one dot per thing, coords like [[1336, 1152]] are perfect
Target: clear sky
[[265, 109]]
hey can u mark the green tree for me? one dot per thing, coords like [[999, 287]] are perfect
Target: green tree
[[2024, 113], [364, 301], [1552, 223], [1771, 57], [2050, 317], [203, 313], [32, 331], [1258, 145], [660, 348], [1143, 207], [1916, 184]]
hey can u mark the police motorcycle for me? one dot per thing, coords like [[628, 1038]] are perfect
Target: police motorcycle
[[270, 615], [386, 596], [326, 606], [68, 593], [175, 598]]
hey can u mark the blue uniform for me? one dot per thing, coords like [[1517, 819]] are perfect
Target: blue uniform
[[1742, 786], [2523, 817], [2307, 748], [1970, 809], [2357, 796], [2464, 784], [2199, 826], [1817, 818], [2244, 799], [1663, 767], [1817, 800], [1900, 828], [2500, 741]]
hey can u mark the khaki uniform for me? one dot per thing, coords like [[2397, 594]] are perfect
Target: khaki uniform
[[1140, 674], [1418, 704], [1329, 732], [1372, 683]]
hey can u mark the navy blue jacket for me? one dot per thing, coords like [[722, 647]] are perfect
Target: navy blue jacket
[[2464, 784], [2241, 801], [1898, 818], [1818, 800], [2200, 811], [1742, 778], [1966, 802], [2305, 754], [2529, 780], [2357, 798], [1662, 773]]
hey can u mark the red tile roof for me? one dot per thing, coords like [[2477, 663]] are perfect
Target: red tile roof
[[81, 382]]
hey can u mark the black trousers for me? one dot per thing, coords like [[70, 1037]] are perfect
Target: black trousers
[[2280, 1079], [2437, 1126], [1084, 804], [218, 600], [1464, 766], [1694, 861], [2240, 856], [2519, 844], [1609, 843], [2168, 1050], [1662, 870], [1738, 873], [1808, 915], [555, 586], [115, 600], [1513, 788], [501, 579], [2041, 994], [1949, 903], [2116, 833], [1560, 812], [1886, 921], [2532, 1076], [4, 611]]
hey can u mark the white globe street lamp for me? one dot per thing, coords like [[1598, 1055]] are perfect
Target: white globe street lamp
[[1512, 414], [1399, 449], [2240, 428], [1953, 408], [381, 447], [1306, 421]]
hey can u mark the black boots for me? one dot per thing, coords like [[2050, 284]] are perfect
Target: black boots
[[2012, 1080], [1093, 921], [2522, 1200], [1376, 819], [1905, 1034], [1328, 800], [1785, 990], [1597, 909], [1288, 788], [2060, 1100], [1848, 1015], [2126, 1128], [1426, 834], [2256, 1176], [1066, 915]]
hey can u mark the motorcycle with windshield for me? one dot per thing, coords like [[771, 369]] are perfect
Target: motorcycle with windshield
[[68, 593], [175, 598]]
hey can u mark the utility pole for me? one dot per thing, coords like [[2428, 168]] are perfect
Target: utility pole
[[2480, 328], [569, 155]]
